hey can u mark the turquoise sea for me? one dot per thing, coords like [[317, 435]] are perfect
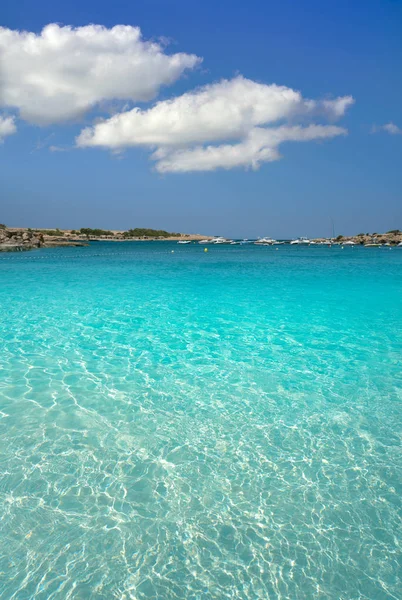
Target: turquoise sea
[[176, 424]]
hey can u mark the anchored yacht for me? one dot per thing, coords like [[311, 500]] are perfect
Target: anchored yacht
[[266, 241], [221, 240], [300, 241]]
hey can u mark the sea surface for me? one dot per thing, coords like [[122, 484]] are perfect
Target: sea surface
[[181, 424]]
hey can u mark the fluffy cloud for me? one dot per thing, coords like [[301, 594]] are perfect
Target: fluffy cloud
[[7, 127], [179, 129], [63, 72], [390, 128], [260, 145]]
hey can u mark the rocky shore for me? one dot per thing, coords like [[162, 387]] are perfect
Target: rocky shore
[[391, 238], [19, 240]]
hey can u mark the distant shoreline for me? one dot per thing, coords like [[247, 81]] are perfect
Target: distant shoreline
[[22, 238]]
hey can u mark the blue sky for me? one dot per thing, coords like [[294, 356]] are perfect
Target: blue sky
[[324, 50]]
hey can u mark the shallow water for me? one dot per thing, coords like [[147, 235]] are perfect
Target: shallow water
[[190, 425]]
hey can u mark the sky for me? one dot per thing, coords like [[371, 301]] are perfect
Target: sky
[[221, 118]]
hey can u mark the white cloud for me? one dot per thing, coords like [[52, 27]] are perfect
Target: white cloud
[[63, 72], [390, 128], [337, 108], [179, 129], [7, 127], [260, 145], [58, 149]]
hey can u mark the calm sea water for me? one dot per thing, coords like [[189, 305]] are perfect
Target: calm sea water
[[190, 425]]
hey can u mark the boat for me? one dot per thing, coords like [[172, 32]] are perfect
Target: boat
[[300, 241], [204, 242], [266, 241], [221, 240], [349, 243], [184, 242]]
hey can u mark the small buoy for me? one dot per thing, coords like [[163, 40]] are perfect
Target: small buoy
[[276, 248], [172, 251], [205, 249]]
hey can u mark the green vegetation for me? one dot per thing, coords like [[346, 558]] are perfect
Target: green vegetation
[[95, 232], [148, 233], [340, 237], [360, 234], [2, 226], [52, 232], [394, 231]]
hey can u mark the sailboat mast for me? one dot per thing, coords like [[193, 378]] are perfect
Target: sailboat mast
[[333, 227]]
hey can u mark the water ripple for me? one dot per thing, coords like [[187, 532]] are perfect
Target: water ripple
[[200, 427]]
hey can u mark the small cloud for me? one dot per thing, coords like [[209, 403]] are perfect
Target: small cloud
[[58, 149], [390, 128], [7, 127], [42, 143]]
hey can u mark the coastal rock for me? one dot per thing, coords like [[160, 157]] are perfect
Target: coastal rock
[[15, 240]]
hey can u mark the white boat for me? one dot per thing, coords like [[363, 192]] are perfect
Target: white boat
[[349, 243], [300, 241], [221, 240], [184, 242], [204, 242], [400, 244], [266, 241]]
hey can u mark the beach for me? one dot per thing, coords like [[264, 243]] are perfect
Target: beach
[[186, 424]]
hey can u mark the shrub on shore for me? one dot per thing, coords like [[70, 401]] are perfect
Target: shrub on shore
[[144, 233], [52, 232], [95, 232]]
